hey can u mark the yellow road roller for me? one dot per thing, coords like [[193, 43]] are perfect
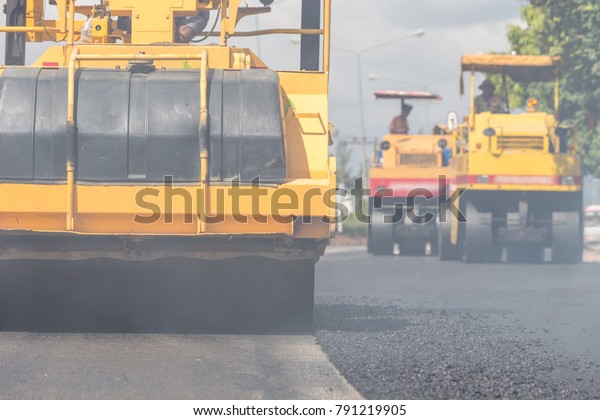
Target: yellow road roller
[[516, 175], [408, 180], [144, 133]]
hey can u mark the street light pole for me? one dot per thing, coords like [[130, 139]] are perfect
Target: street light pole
[[363, 140], [359, 55]]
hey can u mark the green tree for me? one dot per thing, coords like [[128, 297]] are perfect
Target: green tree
[[343, 162], [571, 29]]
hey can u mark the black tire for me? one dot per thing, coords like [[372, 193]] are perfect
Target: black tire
[[567, 238], [478, 236], [381, 235]]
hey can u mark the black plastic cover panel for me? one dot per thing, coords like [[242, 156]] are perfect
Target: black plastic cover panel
[[134, 127]]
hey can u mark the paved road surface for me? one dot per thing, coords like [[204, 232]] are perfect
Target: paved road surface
[[133, 366], [93, 331], [401, 327], [395, 327]]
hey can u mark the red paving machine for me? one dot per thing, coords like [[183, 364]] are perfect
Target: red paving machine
[[407, 179]]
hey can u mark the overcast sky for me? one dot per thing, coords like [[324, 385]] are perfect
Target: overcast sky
[[430, 62]]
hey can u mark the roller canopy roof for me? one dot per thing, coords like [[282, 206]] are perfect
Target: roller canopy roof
[[520, 68], [406, 94]]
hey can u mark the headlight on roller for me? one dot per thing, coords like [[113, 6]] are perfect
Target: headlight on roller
[[483, 179], [567, 180]]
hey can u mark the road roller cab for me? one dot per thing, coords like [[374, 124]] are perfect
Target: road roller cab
[[125, 144], [517, 172], [407, 181]]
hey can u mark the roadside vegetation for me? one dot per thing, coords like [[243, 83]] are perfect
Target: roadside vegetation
[[570, 29]]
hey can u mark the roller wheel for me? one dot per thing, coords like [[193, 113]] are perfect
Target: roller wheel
[[381, 235], [567, 238], [448, 251], [478, 236], [525, 253], [176, 295], [300, 296], [268, 295], [435, 245], [412, 247]]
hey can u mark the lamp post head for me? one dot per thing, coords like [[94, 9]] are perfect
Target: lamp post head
[[418, 32]]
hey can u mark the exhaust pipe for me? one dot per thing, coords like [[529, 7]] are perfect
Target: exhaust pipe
[[14, 51], [310, 45]]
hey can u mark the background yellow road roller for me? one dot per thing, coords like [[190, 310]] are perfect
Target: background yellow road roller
[[408, 179], [517, 171], [127, 142]]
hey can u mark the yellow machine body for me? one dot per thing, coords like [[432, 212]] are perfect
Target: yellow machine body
[[520, 156], [411, 162], [517, 176], [202, 218]]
